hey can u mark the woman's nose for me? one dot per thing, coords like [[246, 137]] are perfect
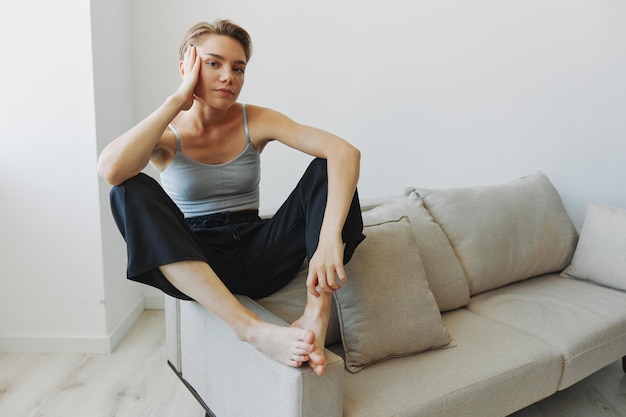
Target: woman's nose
[[227, 75]]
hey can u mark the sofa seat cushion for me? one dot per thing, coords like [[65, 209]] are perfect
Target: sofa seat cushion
[[584, 321], [507, 232], [494, 371]]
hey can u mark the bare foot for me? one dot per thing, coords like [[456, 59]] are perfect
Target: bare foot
[[318, 324], [288, 345]]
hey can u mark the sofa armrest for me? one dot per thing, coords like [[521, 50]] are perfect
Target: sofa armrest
[[232, 378]]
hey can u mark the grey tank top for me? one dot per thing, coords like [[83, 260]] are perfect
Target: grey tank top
[[199, 189]]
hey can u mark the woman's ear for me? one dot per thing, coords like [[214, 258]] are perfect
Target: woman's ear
[[181, 69]]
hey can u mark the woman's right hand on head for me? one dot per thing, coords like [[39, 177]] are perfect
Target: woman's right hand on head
[[190, 71]]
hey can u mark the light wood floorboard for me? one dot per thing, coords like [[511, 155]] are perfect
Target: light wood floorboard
[[135, 381]]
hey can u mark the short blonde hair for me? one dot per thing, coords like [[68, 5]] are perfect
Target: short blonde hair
[[219, 27]]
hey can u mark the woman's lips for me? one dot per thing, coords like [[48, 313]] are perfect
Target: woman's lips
[[225, 92]]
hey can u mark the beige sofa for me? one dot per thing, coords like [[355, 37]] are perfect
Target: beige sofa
[[461, 302]]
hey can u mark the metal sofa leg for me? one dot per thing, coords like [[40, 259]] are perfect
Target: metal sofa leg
[[624, 363], [208, 411]]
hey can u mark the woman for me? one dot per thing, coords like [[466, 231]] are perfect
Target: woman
[[200, 237]]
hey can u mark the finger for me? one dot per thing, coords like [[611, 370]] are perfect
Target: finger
[[196, 66], [330, 290], [335, 273], [311, 284], [191, 52], [190, 58], [330, 279], [314, 292], [322, 283], [341, 273]]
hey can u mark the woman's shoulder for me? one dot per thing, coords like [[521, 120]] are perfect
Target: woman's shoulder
[[267, 125], [254, 110], [265, 116]]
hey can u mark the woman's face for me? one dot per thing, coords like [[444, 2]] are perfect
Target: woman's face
[[222, 70]]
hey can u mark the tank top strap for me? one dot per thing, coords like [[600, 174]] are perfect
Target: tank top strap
[[175, 131], [245, 122]]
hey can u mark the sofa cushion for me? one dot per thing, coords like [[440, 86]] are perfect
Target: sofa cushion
[[494, 371], [584, 321], [600, 255], [386, 308], [505, 233], [443, 270]]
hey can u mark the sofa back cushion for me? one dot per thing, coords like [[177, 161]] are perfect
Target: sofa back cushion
[[443, 271], [505, 233], [600, 255]]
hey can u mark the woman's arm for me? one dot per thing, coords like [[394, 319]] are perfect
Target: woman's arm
[[127, 155], [343, 162], [343, 173]]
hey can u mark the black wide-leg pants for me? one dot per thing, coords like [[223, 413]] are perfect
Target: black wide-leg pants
[[252, 256]]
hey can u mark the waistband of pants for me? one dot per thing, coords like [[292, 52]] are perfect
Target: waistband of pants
[[226, 217]]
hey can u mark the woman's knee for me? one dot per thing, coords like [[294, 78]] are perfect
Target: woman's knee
[[316, 173], [138, 182], [319, 166], [141, 200], [139, 187], [138, 193]]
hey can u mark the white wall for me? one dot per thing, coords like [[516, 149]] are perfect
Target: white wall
[[434, 93], [113, 86], [60, 290]]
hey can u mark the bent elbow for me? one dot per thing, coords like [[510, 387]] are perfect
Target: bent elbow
[[353, 153], [357, 153], [109, 173]]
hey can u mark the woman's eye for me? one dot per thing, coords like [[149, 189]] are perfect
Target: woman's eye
[[241, 70], [211, 64]]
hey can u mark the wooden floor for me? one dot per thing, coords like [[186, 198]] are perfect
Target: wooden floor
[[135, 381]]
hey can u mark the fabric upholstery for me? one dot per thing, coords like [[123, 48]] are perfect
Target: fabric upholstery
[[515, 345], [386, 308], [289, 303], [505, 233], [443, 271], [235, 379], [493, 371], [600, 255], [584, 321]]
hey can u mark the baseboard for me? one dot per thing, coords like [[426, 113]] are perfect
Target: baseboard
[[124, 326], [155, 302], [88, 345]]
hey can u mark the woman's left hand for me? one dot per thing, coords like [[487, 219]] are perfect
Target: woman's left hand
[[326, 266]]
